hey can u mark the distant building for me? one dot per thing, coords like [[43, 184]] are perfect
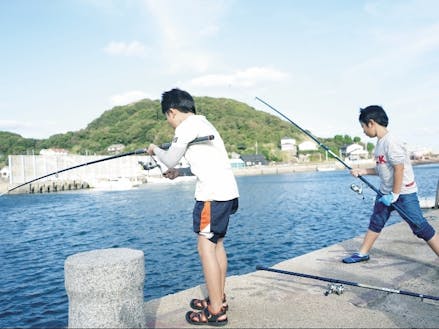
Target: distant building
[[308, 146], [254, 160], [420, 153], [289, 148], [354, 152], [288, 144], [235, 155], [54, 151], [115, 148], [237, 163]]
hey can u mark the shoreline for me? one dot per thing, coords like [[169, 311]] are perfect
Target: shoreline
[[279, 169], [312, 166]]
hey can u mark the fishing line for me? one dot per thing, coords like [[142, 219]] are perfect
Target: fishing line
[[364, 180], [339, 290], [164, 146]]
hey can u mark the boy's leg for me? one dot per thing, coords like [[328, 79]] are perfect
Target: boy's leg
[[221, 257], [212, 273], [434, 243], [368, 241]]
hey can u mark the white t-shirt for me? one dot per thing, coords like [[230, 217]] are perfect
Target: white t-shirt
[[208, 160], [389, 152]]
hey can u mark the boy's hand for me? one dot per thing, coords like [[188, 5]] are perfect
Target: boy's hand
[[388, 199], [151, 149], [171, 173], [358, 172]]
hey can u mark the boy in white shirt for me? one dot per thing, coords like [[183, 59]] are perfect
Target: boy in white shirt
[[216, 197]]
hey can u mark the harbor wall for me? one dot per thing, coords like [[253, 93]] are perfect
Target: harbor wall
[[23, 168]]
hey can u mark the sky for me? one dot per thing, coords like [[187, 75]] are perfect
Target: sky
[[63, 63]]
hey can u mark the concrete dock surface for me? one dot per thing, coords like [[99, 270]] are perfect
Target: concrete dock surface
[[263, 299]]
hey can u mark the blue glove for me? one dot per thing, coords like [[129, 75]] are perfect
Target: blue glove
[[388, 199]]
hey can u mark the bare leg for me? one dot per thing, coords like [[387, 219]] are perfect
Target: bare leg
[[212, 273], [221, 257], [434, 243], [369, 240]]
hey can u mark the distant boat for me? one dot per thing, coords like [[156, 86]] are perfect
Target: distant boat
[[163, 180], [427, 203], [326, 168], [114, 184]]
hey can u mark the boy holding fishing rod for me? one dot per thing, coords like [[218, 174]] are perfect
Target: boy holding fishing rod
[[398, 185], [216, 197]]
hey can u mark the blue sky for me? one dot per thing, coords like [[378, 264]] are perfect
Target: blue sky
[[64, 62]]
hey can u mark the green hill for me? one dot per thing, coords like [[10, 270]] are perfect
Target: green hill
[[242, 127]]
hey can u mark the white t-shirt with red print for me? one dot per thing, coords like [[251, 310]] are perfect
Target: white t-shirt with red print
[[389, 151]]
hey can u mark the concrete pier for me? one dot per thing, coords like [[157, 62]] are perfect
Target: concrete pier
[[263, 299], [105, 288]]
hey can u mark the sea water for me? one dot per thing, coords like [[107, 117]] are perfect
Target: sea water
[[280, 217]]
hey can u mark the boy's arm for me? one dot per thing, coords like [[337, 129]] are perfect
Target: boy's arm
[[398, 172], [363, 171], [171, 157]]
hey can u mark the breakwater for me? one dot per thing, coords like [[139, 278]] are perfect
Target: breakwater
[[23, 168]]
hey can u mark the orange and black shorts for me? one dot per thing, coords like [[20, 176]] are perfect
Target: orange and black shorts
[[211, 218]]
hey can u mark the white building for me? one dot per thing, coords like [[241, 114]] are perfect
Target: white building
[[54, 151], [355, 152], [115, 148], [288, 144], [308, 146]]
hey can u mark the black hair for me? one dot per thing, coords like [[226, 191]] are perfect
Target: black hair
[[177, 99], [375, 113]]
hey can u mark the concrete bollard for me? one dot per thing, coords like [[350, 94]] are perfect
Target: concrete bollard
[[105, 288]]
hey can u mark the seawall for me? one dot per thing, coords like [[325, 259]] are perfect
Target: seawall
[[264, 299]]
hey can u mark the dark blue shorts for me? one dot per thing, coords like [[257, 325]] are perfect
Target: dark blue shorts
[[409, 204], [211, 218]]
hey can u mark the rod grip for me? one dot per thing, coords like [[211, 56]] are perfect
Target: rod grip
[[201, 139]]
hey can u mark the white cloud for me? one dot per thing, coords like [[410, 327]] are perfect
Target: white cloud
[[128, 97], [134, 48], [29, 129], [12, 125], [249, 77]]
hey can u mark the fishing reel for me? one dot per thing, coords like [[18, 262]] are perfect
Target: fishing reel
[[332, 288], [149, 165], [357, 189]]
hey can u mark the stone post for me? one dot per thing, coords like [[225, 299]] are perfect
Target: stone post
[[105, 288]]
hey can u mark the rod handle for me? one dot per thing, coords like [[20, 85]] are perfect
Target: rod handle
[[201, 139]]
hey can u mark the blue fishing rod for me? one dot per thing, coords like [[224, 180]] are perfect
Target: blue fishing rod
[[164, 146], [364, 180]]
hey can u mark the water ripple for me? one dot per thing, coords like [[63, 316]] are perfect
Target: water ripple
[[280, 217]]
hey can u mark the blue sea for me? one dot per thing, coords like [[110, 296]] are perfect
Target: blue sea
[[280, 217]]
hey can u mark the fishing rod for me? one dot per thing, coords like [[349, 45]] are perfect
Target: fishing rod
[[350, 283], [364, 180], [164, 146]]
